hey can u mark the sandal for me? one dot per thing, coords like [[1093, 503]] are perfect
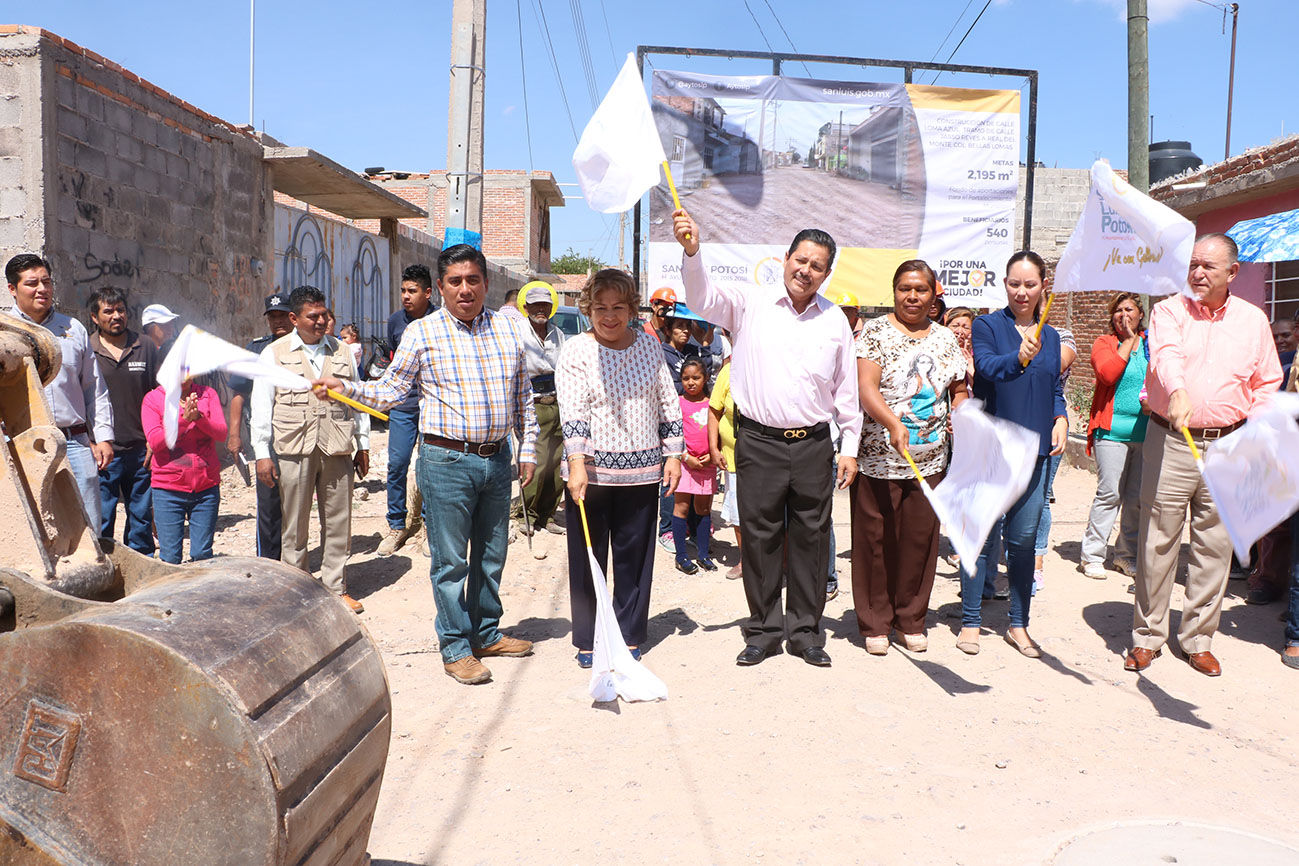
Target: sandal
[[916, 643], [1029, 650], [878, 646]]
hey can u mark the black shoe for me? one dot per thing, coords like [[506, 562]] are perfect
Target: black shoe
[[1001, 594], [815, 655], [751, 655], [687, 567], [707, 564], [1262, 596]]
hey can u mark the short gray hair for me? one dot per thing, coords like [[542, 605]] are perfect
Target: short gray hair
[[1225, 239]]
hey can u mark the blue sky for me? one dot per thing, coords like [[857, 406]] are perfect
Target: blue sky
[[367, 83]]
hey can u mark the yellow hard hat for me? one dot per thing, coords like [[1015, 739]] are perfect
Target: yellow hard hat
[[845, 298], [539, 286]]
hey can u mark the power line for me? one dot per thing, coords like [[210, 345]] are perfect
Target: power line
[[584, 51], [554, 62], [613, 55], [759, 26], [787, 39], [963, 38], [523, 71], [938, 50]]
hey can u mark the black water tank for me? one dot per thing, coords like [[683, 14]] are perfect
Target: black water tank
[[1168, 158]]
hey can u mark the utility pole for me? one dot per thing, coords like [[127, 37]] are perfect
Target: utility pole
[[1234, 9], [622, 232], [252, 44], [1138, 97], [464, 213]]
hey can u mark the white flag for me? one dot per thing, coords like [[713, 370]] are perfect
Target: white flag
[[1253, 473], [196, 352], [992, 462], [618, 158], [1125, 241], [614, 673]]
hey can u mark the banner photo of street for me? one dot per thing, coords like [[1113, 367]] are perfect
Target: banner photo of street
[[891, 171]]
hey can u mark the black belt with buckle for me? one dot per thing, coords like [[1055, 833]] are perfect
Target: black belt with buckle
[[482, 449], [789, 434], [1206, 434], [74, 431]]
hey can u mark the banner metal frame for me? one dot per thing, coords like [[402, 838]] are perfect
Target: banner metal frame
[[908, 68]]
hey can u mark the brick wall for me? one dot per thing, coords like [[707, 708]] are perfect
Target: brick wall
[[134, 188]]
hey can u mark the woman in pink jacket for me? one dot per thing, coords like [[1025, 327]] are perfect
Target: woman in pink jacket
[[186, 478]]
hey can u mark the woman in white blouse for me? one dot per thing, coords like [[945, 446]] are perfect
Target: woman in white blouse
[[622, 437]]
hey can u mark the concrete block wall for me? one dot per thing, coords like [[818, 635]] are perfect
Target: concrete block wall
[[22, 169], [141, 190]]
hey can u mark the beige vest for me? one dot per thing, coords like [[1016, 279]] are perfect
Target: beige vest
[[301, 423]]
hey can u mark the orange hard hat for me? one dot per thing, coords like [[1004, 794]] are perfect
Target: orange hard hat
[[666, 295]]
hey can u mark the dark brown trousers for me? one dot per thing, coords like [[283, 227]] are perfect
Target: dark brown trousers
[[894, 552]]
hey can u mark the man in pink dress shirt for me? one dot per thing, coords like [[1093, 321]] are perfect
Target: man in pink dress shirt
[[1212, 364], [794, 370]]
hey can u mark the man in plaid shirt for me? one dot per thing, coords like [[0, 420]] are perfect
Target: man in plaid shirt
[[469, 365]]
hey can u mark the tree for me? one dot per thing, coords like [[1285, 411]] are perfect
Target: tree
[[572, 262]]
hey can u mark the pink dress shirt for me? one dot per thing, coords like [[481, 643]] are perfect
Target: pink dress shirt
[[1226, 360], [789, 369]]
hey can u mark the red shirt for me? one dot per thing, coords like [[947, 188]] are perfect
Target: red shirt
[[192, 465]]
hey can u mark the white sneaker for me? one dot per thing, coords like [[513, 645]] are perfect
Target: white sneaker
[[1094, 570]]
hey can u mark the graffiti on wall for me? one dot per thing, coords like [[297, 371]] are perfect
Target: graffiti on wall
[[350, 266]]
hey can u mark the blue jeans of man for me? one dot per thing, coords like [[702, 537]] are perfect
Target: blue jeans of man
[[1020, 535], [403, 431], [81, 460], [126, 479], [470, 496], [1292, 613], [171, 508]]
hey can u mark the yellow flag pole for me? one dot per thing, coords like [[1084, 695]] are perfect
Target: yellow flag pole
[[1041, 323], [586, 530], [676, 200], [348, 401], [1195, 452], [914, 468]]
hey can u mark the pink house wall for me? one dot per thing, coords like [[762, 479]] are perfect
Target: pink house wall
[[1250, 283]]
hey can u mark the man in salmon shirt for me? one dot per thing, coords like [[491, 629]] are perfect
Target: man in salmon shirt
[[1213, 363]]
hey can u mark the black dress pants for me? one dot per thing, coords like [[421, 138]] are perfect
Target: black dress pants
[[787, 486], [624, 519], [268, 521]]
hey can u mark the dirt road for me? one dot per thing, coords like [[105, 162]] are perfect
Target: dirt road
[[935, 758], [856, 213]]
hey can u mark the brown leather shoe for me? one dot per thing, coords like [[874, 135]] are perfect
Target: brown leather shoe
[[355, 605], [1139, 658], [506, 646], [1205, 663], [468, 670]]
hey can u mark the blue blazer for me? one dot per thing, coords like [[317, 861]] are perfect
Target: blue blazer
[[1031, 396]]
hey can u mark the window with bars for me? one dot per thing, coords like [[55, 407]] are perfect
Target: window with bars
[[678, 148], [1281, 295]]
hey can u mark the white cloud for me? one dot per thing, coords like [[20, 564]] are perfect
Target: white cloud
[[508, 110], [1158, 10]]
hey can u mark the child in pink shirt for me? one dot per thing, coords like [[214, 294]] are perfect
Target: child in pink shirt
[[698, 472]]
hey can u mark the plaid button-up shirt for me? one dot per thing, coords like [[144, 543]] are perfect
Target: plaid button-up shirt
[[473, 379]]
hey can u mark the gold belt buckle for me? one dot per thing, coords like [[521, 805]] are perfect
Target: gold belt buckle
[[799, 433]]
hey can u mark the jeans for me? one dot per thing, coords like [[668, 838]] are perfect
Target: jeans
[[403, 432], [467, 543], [1043, 540], [81, 460], [1021, 523], [1118, 489], [126, 479], [1292, 614], [171, 508]]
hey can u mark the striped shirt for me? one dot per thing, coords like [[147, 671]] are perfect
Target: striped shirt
[[472, 378], [619, 408]]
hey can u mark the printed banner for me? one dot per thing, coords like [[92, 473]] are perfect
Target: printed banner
[[1125, 242], [891, 171]]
